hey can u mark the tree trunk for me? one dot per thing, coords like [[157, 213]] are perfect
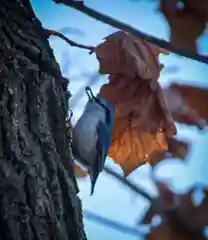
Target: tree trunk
[[38, 189]]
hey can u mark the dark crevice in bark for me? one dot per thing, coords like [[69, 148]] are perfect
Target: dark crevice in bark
[[38, 189]]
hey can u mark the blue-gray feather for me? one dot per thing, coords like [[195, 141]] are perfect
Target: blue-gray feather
[[92, 136]]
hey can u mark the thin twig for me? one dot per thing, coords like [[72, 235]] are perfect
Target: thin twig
[[50, 32], [111, 223], [126, 182], [80, 6]]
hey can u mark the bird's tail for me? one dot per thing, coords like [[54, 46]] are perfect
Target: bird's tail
[[93, 178]]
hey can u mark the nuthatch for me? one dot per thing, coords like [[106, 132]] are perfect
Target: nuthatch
[[92, 135]]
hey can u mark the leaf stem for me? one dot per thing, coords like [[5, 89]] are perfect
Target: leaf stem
[[50, 32]]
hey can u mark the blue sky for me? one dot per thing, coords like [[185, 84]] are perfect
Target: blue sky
[[111, 199]]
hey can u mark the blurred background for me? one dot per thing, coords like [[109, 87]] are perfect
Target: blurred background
[[119, 207]]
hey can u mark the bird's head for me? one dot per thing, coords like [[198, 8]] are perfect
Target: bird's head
[[102, 102]]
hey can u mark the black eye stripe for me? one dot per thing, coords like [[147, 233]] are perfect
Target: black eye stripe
[[103, 105]]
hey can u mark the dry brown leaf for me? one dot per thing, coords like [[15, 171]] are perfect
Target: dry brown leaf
[[196, 99], [79, 172], [181, 218], [133, 149], [186, 23], [126, 55], [142, 119], [181, 109]]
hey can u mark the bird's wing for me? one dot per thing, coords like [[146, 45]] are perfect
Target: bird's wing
[[103, 144]]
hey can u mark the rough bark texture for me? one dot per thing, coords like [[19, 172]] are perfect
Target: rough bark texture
[[38, 190]]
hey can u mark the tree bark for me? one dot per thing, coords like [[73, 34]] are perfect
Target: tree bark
[[38, 189]]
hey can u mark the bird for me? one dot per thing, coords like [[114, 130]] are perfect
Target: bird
[[91, 135]]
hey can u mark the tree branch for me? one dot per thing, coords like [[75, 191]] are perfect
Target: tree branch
[[50, 32], [126, 182], [127, 28]]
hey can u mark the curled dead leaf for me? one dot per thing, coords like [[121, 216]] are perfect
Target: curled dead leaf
[[127, 55], [142, 119]]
